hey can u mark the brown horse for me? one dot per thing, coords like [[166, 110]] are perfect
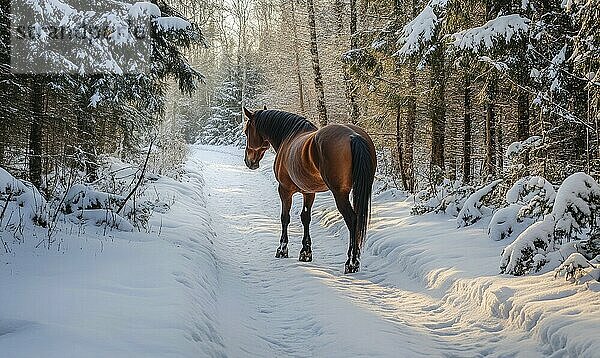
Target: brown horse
[[336, 157]]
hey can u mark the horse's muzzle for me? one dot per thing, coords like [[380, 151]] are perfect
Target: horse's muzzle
[[251, 164]]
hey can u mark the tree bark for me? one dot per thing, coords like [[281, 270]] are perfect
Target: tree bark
[[499, 146], [490, 126], [490, 109], [350, 85], [86, 135], [409, 128], [2, 136], [523, 115], [297, 59], [411, 105], [35, 132], [437, 107], [399, 149], [466, 165], [321, 108]]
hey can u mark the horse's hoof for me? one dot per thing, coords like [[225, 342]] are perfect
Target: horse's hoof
[[281, 253], [305, 256], [351, 267]]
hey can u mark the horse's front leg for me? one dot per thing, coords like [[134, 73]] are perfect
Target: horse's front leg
[[286, 203], [306, 252]]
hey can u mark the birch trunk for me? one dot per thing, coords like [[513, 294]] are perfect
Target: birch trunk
[[321, 108]]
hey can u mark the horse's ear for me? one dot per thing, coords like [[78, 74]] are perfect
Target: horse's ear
[[265, 107], [248, 113]]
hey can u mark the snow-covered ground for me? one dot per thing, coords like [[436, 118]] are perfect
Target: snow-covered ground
[[209, 284], [118, 294]]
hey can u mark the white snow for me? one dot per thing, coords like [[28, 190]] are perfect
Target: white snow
[[119, 294], [574, 266], [474, 207], [527, 188], [535, 194], [94, 100], [577, 199], [506, 223], [527, 253], [20, 204], [516, 148], [503, 28], [449, 197], [420, 31], [143, 8], [203, 282], [172, 23]]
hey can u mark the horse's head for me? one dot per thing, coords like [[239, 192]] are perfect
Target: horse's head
[[256, 144]]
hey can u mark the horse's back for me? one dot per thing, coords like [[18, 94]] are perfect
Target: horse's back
[[320, 161], [334, 141], [335, 153]]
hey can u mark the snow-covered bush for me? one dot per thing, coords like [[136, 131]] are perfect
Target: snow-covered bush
[[84, 197], [576, 266], [517, 149], [519, 156], [447, 197], [592, 245], [477, 205], [84, 203], [20, 202], [529, 199], [546, 243], [576, 205], [454, 201], [535, 193], [527, 252], [506, 223]]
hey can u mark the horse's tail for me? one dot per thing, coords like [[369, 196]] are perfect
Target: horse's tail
[[363, 174]]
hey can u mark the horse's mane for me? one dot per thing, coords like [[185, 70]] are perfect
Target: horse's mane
[[280, 125]]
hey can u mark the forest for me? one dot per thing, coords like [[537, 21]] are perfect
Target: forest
[[485, 116], [445, 87]]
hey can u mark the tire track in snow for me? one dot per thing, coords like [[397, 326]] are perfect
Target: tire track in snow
[[280, 307]]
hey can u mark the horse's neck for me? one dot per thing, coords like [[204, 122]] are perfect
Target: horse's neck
[[277, 144]]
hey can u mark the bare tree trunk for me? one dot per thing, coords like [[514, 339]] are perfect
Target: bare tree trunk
[[321, 109], [437, 107], [500, 141], [467, 128], [86, 136], [409, 128], [297, 59], [523, 122], [350, 85], [411, 105], [523, 115], [35, 132], [2, 136], [490, 108], [399, 149], [490, 126]]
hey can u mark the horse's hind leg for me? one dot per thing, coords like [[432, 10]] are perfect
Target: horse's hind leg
[[343, 204], [286, 203], [306, 252]]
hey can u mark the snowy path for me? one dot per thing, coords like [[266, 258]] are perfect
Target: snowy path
[[281, 307], [202, 281]]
